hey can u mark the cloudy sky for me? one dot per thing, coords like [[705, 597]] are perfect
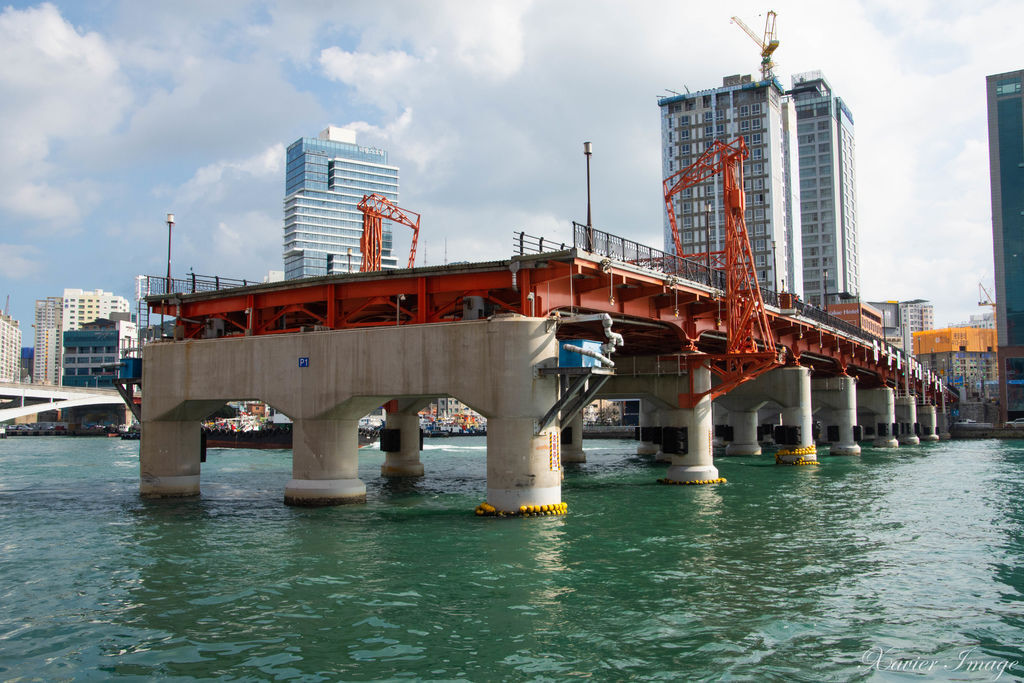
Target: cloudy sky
[[114, 113]]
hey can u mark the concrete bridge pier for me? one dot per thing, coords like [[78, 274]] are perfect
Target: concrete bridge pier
[[906, 418], [926, 417], [405, 460], [696, 465], [572, 441], [838, 397], [793, 392], [325, 463], [744, 432], [522, 468], [880, 405], [169, 459], [666, 418]]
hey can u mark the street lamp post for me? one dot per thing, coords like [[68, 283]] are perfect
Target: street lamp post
[[775, 268], [824, 285], [588, 149], [707, 238], [170, 225]]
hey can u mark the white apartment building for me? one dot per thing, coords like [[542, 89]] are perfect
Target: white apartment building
[[58, 314], [10, 349], [764, 115], [828, 191]]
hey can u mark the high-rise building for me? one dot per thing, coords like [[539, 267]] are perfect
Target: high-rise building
[[325, 178], [10, 349], [1006, 166], [58, 314], [763, 114], [901, 319], [47, 341], [828, 190]]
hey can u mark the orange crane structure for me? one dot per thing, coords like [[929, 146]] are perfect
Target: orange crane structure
[[375, 209], [750, 346]]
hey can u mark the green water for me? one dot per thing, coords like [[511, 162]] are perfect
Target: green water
[[855, 569]]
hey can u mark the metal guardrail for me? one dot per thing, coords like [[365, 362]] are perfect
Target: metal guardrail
[[157, 284], [618, 248]]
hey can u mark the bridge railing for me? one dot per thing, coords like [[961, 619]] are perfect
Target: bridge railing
[[612, 246], [153, 285]]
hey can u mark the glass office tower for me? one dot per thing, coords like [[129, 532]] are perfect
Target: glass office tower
[[1006, 166], [325, 178]]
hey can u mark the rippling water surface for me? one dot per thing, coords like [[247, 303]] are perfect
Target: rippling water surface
[[888, 566]]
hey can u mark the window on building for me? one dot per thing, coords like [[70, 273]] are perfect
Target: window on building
[[709, 116], [744, 110], [744, 125], [755, 108]]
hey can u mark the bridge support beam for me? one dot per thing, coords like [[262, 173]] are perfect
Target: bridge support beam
[[744, 433], [926, 417], [572, 440], [405, 462], [648, 423], [881, 406], [906, 418], [839, 396], [697, 464], [169, 459], [325, 463]]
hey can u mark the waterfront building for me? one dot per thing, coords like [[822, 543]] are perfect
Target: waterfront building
[[763, 114], [56, 315], [864, 316], [1006, 167], [92, 353], [828, 191], [27, 358], [325, 179], [10, 349], [964, 357]]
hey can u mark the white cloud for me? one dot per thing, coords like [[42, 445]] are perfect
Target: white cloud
[[57, 84], [20, 261], [211, 182]]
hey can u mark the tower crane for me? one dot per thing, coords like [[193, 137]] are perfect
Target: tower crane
[[986, 299], [375, 208], [768, 42]]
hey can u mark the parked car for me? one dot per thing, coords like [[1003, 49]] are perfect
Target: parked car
[[1019, 422]]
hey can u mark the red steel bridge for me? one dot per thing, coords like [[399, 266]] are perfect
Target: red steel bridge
[[665, 306]]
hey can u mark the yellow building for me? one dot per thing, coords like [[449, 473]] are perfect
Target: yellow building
[[963, 356]]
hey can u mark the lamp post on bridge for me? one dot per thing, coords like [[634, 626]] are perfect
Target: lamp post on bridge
[[707, 238], [824, 285], [587, 151]]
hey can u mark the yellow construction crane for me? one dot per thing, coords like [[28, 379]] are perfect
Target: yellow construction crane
[[986, 299], [768, 43]]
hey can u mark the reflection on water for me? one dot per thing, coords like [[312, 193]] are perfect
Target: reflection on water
[[783, 573]]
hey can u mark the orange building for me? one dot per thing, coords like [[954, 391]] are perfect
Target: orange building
[[962, 356], [860, 314]]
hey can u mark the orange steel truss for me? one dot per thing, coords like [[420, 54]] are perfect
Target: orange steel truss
[[678, 321], [375, 208], [750, 348]]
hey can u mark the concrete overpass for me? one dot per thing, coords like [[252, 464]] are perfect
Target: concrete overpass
[[31, 399]]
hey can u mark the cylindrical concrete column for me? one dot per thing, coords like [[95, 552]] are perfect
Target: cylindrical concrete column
[[744, 433], [404, 462], [926, 416], [881, 404], [572, 440], [522, 469], [906, 417], [844, 413], [648, 419], [797, 445], [169, 459], [325, 462], [697, 465]]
